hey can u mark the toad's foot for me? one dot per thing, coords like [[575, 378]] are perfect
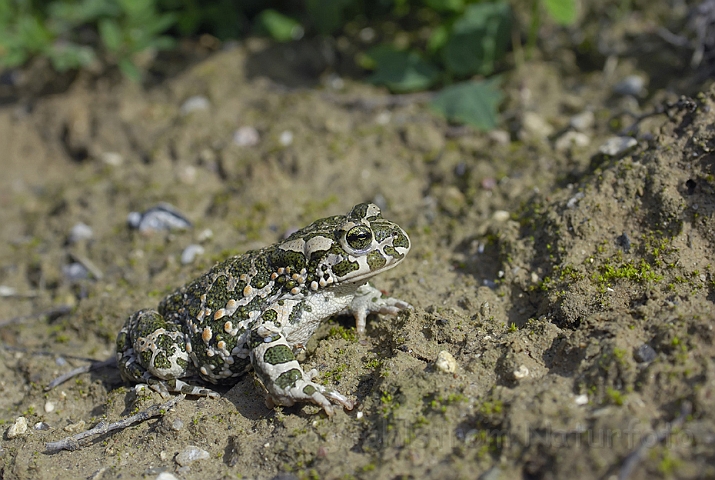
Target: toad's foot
[[282, 376], [369, 299]]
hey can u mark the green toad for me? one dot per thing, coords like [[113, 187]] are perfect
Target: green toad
[[255, 310]]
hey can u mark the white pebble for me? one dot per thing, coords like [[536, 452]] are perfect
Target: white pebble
[[204, 235], [521, 372], [581, 399], [446, 362], [113, 159], [246, 137], [632, 85], [615, 146], [583, 121], [166, 476], [501, 216], [6, 291], [80, 232], [42, 426], [570, 140], [500, 137], [163, 216], [573, 201], [359, 415], [49, 406], [286, 138], [191, 454], [190, 253], [197, 102], [383, 118], [18, 428]]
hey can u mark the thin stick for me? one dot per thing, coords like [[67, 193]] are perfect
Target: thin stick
[[74, 442], [80, 370], [649, 442]]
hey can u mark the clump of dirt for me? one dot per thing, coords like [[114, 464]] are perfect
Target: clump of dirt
[[573, 291]]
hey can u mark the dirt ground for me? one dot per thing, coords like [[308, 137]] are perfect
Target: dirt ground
[[573, 289]]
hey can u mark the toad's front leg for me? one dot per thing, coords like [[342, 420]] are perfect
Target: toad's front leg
[[282, 376]]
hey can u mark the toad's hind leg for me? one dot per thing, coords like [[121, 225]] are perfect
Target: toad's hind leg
[[282, 376], [152, 351]]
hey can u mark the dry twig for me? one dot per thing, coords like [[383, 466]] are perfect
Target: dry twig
[[74, 442]]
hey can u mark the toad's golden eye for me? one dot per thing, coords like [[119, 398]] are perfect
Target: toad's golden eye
[[359, 238]]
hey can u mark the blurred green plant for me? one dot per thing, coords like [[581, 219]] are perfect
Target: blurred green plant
[[75, 34], [452, 45]]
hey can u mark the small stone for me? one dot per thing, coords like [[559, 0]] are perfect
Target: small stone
[[49, 406], [41, 426], [500, 137], [616, 146], [190, 253], [501, 216], [74, 272], [581, 399], [573, 201], [166, 476], [113, 159], [160, 217], [6, 291], [521, 372], [192, 104], [191, 454], [367, 34], [535, 126], [75, 427], [571, 140], [246, 137], [583, 121], [644, 354], [632, 85], [446, 362], [624, 242], [80, 232], [18, 428], [286, 138], [187, 174], [383, 118], [535, 277], [177, 424], [204, 235]]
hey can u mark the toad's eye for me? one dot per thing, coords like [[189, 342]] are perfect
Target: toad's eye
[[359, 238]]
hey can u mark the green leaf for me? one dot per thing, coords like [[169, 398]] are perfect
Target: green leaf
[[111, 35], [562, 11], [401, 71], [438, 39], [280, 27], [474, 103], [68, 56], [327, 15], [129, 70], [479, 38], [32, 35]]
